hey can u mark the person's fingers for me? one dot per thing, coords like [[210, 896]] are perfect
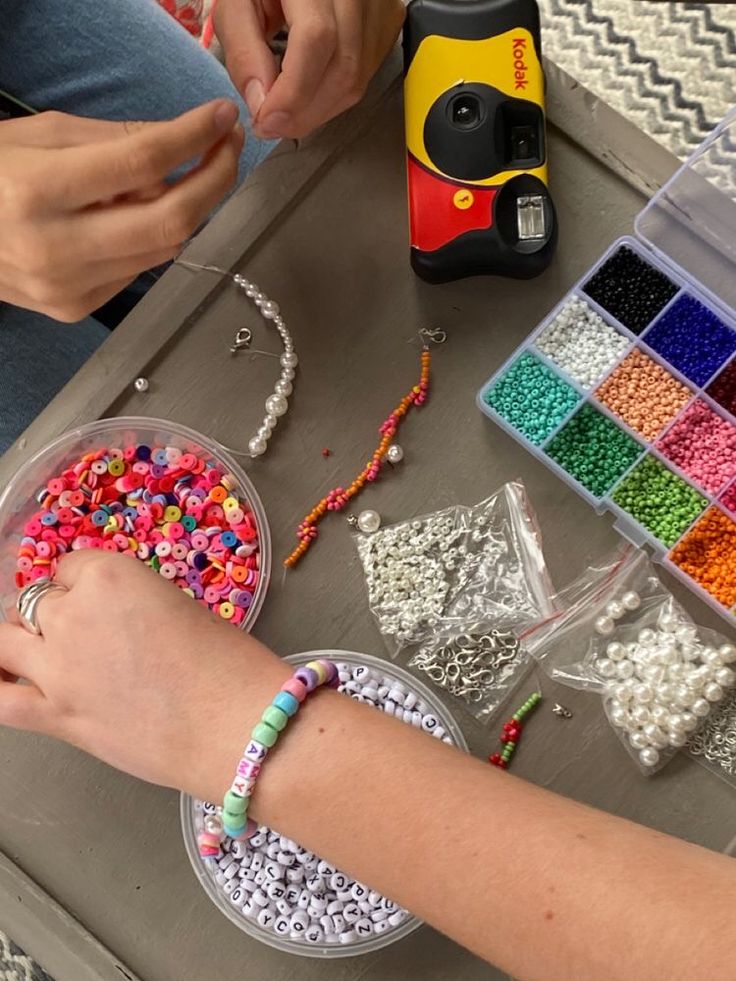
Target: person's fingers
[[18, 648], [22, 707], [56, 130], [169, 220], [313, 40], [343, 84], [242, 30], [86, 175]]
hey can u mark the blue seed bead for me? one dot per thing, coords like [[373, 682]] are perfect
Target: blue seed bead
[[287, 703], [532, 398], [692, 338]]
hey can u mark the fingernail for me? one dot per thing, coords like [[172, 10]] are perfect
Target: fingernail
[[225, 116], [274, 125], [255, 96]]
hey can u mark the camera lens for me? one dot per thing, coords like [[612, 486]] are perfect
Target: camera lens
[[466, 111]]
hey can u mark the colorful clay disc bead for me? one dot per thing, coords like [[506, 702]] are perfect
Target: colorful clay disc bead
[[630, 289], [235, 822], [177, 512]]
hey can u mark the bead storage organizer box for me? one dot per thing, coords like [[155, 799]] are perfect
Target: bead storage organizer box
[[627, 391], [152, 489], [287, 897]]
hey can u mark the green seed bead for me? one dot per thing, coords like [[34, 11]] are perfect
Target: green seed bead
[[235, 804], [275, 717], [659, 500], [265, 734]]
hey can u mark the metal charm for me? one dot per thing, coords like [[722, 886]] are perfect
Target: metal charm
[[470, 666], [716, 740], [561, 711]]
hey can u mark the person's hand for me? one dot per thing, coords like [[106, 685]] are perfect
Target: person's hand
[[85, 208], [131, 670], [334, 49]]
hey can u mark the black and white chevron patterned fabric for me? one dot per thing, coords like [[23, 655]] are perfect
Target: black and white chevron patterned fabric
[[669, 67], [15, 966]]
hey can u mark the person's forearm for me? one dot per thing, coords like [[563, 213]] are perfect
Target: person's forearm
[[539, 885]]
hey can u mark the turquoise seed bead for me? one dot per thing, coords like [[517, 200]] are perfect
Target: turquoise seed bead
[[526, 382], [275, 717], [287, 703], [265, 734], [235, 804]]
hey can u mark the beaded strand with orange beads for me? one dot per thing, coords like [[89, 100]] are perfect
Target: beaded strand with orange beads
[[338, 497]]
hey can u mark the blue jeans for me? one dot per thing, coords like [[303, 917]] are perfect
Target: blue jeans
[[109, 59]]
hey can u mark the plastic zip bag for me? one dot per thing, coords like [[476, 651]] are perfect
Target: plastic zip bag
[[623, 635], [439, 573]]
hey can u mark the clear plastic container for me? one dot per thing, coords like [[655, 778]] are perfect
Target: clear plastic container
[[18, 499], [206, 876], [687, 231]]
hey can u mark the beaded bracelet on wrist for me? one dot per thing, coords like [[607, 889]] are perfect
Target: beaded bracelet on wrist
[[235, 822]]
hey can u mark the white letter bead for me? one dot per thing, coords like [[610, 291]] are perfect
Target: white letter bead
[[293, 893]]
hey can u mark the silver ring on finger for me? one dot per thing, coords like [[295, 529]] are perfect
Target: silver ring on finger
[[28, 600]]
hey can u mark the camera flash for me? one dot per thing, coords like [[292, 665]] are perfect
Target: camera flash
[[530, 218]]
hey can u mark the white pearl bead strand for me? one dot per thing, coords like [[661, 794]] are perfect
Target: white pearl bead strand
[[277, 405]]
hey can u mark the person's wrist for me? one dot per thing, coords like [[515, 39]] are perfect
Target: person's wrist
[[225, 707]]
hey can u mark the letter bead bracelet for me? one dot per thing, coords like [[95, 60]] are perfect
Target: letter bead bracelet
[[235, 822]]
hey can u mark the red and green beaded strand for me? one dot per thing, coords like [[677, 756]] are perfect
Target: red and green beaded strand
[[512, 731]]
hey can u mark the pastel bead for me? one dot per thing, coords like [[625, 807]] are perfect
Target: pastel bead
[[287, 703], [235, 804], [319, 669], [256, 752], [296, 688], [309, 677], [265, 734], [275, 717], [248, 769]]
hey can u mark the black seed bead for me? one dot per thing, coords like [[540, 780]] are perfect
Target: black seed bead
[[630, 289]]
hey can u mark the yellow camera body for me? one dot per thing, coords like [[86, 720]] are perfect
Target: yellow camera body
[[475, 136]]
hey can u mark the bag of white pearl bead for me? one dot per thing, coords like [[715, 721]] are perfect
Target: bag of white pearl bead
[[625, 637], [445, 572], [283, 894]]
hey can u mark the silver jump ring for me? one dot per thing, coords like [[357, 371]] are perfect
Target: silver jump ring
[[30, 597]]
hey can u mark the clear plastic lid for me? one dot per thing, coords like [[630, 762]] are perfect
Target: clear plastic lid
[[691, 222]]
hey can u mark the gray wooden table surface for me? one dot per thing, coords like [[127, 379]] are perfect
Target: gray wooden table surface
[[94, 880]]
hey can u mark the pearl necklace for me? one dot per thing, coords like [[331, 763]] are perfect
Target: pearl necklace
[[277, 404]]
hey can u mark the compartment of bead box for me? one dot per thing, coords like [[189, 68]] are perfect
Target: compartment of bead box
[[633, 404]]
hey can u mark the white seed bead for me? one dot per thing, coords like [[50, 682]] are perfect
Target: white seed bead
[[581, 342]]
